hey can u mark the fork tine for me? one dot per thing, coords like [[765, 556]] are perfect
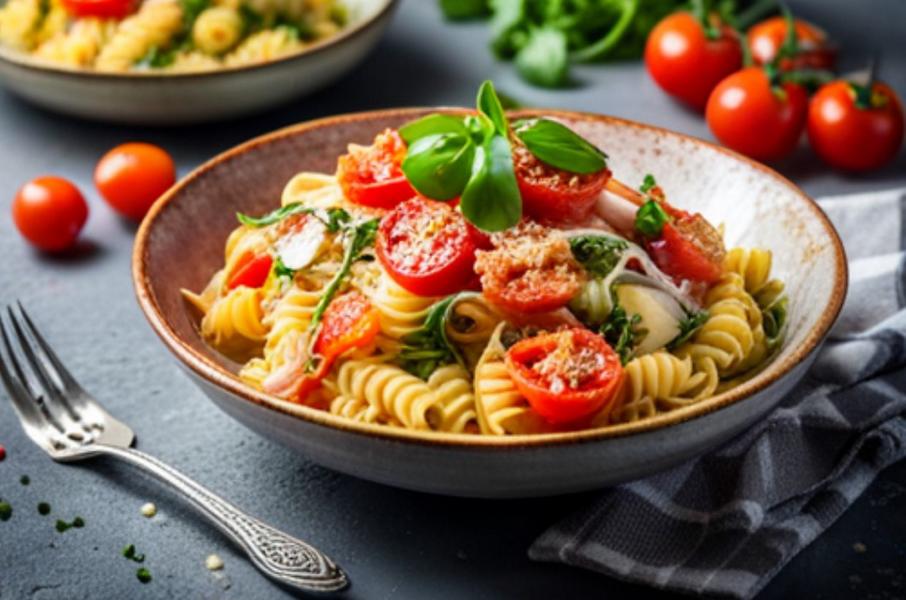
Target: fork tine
[[53, 390], [21, 397], [69, 382]]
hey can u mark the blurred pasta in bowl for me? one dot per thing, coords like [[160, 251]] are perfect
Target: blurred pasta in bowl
[[430, 344], [173, 61]]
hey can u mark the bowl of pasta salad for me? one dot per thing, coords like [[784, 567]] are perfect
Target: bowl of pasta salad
[[483, 303], [180, 61]]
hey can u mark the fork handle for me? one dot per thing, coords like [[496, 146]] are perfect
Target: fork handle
[[278, 555]]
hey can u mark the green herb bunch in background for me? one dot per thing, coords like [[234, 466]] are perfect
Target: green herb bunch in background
[[543, 37]]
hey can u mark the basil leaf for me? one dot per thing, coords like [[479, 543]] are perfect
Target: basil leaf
[[560, 147], [432, 124], [464, 9], [544, 60], [621, 333], [489, 105], [691, 323], [491, 200], [439, 165], [648, 183], [508, 18], [598, 254], [650, 219], [296, 208]]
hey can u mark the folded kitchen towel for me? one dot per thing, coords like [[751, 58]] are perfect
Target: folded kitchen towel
[[725, 523]]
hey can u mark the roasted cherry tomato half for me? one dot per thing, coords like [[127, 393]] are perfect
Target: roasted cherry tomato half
[[349, 322], [746, 113], [551, 194], [132, 176], [49, 212], [688, 248], [814, 51], [428, 247], [250, 271], [685, 62], [565, 376], [853, 133], [372, 175], [103, 9]]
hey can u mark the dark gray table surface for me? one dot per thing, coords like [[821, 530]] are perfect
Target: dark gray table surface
[[393, 543]]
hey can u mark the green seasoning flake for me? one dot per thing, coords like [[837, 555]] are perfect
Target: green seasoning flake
[[650, 219], [129, 552], [143, 575], [6, 511], [43, 508], [25, 480], [78, 522], [62, 526]]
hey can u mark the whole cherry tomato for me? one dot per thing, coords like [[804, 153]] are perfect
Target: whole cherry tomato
[[685, 62], [853, 129], [428, 247], [132, 176], [814, 51], [565, 376], [372, 175], [750, 115], [104, 9], [551, 194], [50, 212]]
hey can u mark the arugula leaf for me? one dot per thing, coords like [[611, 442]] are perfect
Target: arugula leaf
[[362, 236], [432, 124], [157, 58], [429, 347], [774, 318], [650, 219], [648, 183], [464, 9], [440, 165], [560, 147], [281, 270], [491, 199], [489, 105], [599, 254], [544, 60], [336, 219], [688, 325], [295, 208], [620, 332]]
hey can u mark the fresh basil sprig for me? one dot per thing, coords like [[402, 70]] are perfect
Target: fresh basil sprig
[[471, 158], [559, 146], [362, 236]]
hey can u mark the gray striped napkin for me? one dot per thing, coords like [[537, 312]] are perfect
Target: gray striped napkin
[[725, 523]]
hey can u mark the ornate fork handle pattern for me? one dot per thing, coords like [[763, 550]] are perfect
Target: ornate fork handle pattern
[[280, 556]]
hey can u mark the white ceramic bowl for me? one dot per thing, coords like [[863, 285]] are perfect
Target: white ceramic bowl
[[758, 206], [150, 98]]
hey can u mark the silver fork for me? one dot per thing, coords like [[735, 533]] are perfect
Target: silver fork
[[70, 425]]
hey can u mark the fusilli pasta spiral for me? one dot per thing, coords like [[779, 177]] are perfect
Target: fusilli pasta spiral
[[393, 395], [154, 25]]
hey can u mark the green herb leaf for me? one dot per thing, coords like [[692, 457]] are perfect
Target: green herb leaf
[[491, 199], [691, 323], [429, 347], [599, 254], [650, 219], [775, 318], [336, 219], [6, 511], [560, 147], [129, 552], [464, 9], [544, 60], [508, 19], [362, 236], [274, 216], [25, 480], [430, 125], [281, 270], [648, 183], [43, 508], [143, 575], [620, 331], [489, 105], [440, 165]]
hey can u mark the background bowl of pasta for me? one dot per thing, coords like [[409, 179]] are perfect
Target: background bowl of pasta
[[181, 243], [181, 61]]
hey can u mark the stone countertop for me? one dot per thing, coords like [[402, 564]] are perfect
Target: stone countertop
[[393, 543]]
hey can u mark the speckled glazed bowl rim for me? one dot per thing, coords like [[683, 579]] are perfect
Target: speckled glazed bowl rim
[[22, 60], [218, 376]]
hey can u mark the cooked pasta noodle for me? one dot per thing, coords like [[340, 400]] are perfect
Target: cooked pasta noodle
[[154, 25], [217, 29], [324, 310], [264, 46]]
